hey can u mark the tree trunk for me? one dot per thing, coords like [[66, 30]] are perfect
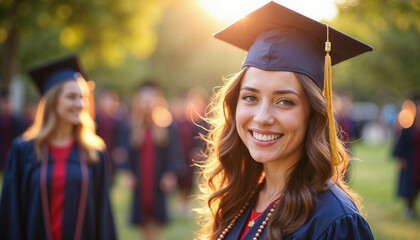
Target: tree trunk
[[10, 58]]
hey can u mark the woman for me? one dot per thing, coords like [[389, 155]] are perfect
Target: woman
[[275, 165], [55, 183], [407, 152], [155, 158]]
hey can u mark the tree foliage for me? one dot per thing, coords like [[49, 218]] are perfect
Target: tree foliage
[[122, 41], [104, 32], [391, 72]]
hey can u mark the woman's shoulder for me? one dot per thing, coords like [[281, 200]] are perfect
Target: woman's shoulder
[[335, 202], [22, 143], [335, 213]]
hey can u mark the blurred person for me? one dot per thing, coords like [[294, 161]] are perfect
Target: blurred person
[[55, 184], [342, 104], [197, 100], [343, 116], [189, 112], [186, 129], [275, 164], [11, 126], [155, 155], [407, 151], [388, 116], [29, 113], [108, 120]]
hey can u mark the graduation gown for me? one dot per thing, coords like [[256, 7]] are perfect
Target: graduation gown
[[21, 215], [335, 217], [11, 126], [168, 158], [405, 148]]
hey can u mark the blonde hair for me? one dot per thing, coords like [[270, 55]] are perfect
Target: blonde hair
[[230, 174], [46, 121]]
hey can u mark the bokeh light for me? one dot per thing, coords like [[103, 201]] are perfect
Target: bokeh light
[[161, 116], [232, 10], [407, 115]]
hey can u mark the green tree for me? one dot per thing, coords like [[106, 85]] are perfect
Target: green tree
[[392, 27], [104, 32], [187, 55]]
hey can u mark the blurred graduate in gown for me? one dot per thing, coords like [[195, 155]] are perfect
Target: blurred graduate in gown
[[155, 153], [55, 181], [407, 151]]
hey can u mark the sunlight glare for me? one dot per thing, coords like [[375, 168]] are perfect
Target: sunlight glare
[[232, 10]]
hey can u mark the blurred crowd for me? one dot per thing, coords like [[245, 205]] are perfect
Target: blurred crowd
[[396, 125], [153, 142], [175, 126]]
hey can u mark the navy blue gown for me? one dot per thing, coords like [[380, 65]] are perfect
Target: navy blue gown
[[335, 217], [168, 158], [21, 215], [405, 149]]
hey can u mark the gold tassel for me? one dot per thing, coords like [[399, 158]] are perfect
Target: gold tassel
[[336, 160]]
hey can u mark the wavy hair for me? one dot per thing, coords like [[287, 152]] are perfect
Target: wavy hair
[[230, 174], [46, 120]]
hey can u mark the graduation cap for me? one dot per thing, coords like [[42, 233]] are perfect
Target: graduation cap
[[47, 75], [279, 39]]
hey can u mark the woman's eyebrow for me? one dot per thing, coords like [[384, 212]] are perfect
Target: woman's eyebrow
[[276, 92], [249, 89], [281, 92]]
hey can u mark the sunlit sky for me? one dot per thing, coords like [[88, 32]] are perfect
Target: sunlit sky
[[231, 10]]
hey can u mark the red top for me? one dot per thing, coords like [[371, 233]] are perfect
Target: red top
[[58, 187], [146, 173], [254, 216]]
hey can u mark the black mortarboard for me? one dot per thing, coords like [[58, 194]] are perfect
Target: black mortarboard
[[278, 38], [47, 75]]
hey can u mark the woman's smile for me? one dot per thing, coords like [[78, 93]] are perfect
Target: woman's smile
[[265, 138]]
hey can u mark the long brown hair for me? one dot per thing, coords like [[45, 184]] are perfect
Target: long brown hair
[[230, 174], [46, 121]]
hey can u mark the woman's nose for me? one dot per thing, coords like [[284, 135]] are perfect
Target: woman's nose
[[264, 114], [82, 103]]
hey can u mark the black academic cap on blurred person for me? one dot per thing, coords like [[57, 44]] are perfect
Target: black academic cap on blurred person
[[47, 75], [280, 39]]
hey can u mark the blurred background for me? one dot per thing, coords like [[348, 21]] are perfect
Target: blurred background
[[122, 42]]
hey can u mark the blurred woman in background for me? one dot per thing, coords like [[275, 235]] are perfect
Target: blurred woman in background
[[155, 158], [55, 183], [407, 151]]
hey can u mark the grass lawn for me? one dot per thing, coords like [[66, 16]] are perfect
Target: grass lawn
[[181, 227], [373, 177]]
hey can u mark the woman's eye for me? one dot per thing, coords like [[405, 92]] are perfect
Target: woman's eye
[[71, 96], [249, 98], [286, 102]]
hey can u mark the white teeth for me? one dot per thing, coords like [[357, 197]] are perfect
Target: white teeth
[[265, 138]]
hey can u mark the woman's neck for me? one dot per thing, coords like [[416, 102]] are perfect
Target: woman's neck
[[63, 135], [276, 175]]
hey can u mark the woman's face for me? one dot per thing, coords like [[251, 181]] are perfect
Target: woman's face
[[272, 115], [146, 100], [70, 103]]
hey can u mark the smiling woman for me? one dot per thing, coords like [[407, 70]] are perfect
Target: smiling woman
[[231, 10], [275, 165], [56, 182]]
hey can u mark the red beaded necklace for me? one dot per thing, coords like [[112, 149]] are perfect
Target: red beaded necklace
[[262, 226]]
